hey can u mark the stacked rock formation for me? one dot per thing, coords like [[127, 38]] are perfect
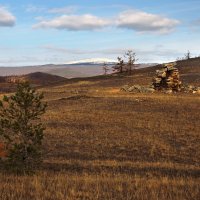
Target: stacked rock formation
[[167, 78]]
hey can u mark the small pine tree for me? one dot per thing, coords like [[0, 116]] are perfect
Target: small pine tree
[[20, 129]]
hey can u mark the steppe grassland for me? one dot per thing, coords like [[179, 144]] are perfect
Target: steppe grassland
[[102, 143]]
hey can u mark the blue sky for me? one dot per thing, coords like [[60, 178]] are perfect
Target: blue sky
[[48, 31]]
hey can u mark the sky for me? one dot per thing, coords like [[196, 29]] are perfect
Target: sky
[[36, 32]]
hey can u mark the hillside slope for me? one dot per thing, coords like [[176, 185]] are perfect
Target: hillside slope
[[189, 72], [103, 143], [8, 83], [40, 78]]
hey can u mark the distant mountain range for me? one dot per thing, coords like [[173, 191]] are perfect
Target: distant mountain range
[[189, 71], [82, 68], [93, 61]]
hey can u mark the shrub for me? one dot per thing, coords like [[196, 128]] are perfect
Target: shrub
[[21, 129]]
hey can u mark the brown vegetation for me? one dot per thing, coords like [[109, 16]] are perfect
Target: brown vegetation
[[2, 151], [102, 143]]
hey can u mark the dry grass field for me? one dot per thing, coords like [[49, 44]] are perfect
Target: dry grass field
[[102, 143]]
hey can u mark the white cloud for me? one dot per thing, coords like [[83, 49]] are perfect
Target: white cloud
[[74, 22], [6, 18], [63, 50], [146, 22], [158, 50], [136, 20], [63, 10]]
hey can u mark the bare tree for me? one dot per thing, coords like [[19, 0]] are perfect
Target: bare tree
[[105, 68], [131, 56], [188, 55], [119, 66]]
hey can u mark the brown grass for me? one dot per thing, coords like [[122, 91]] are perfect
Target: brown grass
[[101, 186], [101, 143]]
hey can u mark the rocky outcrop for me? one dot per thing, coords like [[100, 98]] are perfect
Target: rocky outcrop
[[138, 89], [167, 78]]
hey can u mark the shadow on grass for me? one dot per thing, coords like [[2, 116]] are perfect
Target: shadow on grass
[[130, 170]]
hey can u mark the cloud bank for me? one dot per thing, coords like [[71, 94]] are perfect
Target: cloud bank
[[136, 20], [7, 19]]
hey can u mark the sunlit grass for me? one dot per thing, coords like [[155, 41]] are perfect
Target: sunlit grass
[[101, 143]]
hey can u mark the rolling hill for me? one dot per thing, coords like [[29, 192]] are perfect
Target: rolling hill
[[8, 83], [103, 143], [189, 72]]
